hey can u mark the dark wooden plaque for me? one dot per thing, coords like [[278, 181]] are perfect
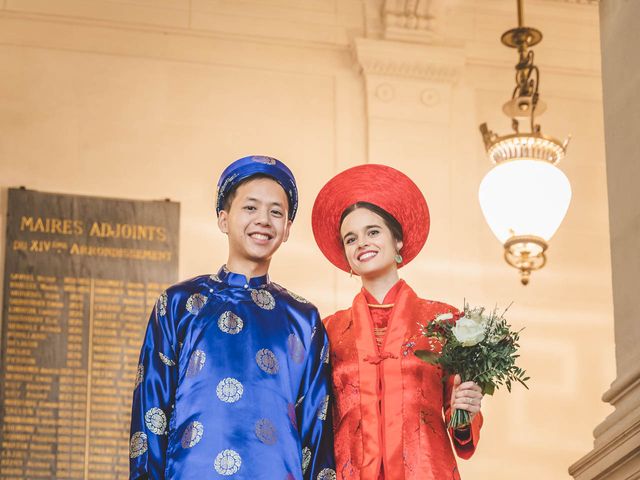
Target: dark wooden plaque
[[81, 275]]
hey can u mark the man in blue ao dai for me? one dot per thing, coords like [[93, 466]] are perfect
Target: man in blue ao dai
[[233, 379]]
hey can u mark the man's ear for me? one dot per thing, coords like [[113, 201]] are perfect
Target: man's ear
[[287, 229], [223, 222]]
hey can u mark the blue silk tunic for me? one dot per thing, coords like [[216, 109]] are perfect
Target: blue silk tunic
[[233, 382]]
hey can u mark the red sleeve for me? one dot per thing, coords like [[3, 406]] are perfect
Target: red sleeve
[[465, 448]]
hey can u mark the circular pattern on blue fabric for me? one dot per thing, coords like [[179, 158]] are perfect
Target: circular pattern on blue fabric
[[263, 299], [266, 431], [166, 360], [156, 421], [196, 362], [327, 474], [297, 298], [324, 355], [138, 444], [306, 459], [324, 407], [267, 361], [230, 323], [192, 434], [195, 303], [161, 304], [139, 375], [227, 462], [291, 412], [229, 390], [296, 348], [263, 159]]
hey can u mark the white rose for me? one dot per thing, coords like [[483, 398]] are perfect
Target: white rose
[[468, 332], [444, 316]]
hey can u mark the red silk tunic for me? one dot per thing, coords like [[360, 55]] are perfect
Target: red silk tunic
[[391, 407]]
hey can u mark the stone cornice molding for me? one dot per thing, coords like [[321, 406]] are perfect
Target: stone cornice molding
[[427, 62], [580, 2], [609, 457], [617, 438], [622, 386]]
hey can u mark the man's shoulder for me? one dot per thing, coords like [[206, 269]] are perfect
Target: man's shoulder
[[190, 286], [293, 300]]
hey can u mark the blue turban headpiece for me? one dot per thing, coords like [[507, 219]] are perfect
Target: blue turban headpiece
[[247, 167]]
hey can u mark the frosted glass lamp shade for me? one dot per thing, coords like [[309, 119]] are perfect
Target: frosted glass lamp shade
[[524, 198]]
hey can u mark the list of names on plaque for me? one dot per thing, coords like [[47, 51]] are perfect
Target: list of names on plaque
[[72, 330]]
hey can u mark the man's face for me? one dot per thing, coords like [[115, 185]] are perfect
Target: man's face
[[257, 221]]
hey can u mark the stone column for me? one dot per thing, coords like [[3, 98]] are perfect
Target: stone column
[[409, 76], [616, 452], [412, 94]]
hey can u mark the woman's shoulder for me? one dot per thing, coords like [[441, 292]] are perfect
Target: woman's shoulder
[[339, 317], [426, 304], [436, 306]]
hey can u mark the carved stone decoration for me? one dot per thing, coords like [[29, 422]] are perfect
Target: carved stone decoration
[[408, 81], [425, 62], [430, 97], [413, 20], [385, 92]]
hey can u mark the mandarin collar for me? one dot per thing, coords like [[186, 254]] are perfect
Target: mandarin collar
[[239, 280], [389, 298]]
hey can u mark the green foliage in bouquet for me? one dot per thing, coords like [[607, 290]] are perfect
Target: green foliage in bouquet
[[480, 346]]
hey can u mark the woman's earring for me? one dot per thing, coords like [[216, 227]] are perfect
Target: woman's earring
[[350, 273], [398, 258]]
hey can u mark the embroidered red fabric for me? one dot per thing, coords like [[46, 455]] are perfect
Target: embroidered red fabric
[[390, 407]]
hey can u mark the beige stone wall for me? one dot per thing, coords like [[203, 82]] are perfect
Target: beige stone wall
[[152, 98]]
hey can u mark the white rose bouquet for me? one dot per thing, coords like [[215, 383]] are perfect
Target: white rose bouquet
[[479, 346]]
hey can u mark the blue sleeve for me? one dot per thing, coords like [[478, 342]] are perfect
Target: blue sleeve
[[153, 395], [313, 409]]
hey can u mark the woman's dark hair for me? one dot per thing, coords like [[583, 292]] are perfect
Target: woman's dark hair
[[389, 220]]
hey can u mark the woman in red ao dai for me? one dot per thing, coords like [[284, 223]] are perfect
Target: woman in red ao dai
[[390, 408]]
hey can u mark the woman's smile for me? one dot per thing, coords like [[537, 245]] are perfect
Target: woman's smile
[[366, 255]]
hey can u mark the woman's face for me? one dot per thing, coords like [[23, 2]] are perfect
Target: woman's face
[[369, 244]]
